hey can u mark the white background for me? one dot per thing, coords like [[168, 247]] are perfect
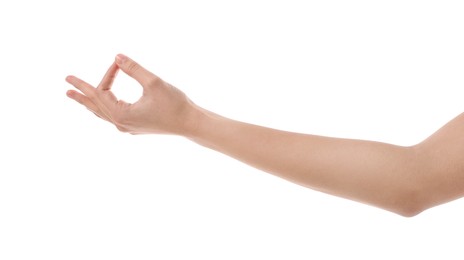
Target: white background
[[73, 187]]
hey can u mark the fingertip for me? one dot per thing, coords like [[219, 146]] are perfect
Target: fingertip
[[120, 58], [69, 78], [69, 93]]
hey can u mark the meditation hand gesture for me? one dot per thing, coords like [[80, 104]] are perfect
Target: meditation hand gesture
[[161, 109]]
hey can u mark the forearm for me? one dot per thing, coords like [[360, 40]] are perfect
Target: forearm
[[370, 172]]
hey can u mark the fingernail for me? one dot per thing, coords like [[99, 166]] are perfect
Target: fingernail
[[120, 58]]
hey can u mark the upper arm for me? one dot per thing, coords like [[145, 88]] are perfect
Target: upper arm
[[440, 164]]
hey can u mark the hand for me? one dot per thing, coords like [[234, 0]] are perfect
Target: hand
[[161, 109]]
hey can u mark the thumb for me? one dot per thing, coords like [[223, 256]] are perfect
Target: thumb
[[134, 70]]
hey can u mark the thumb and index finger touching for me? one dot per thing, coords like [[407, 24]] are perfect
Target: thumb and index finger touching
[[134, 70], [122, 62], [128, 66]]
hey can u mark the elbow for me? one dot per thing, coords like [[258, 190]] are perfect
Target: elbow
[[411, 193], [404, 201], [409, 204], [411, 200], [409, 211]]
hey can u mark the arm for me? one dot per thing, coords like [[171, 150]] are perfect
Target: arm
[[404, 180]]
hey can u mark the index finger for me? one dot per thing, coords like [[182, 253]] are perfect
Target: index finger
[[108, 79]]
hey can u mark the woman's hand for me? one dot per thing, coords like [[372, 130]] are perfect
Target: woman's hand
[[161, 109]]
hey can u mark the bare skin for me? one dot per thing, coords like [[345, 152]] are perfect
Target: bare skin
[[404, 180]]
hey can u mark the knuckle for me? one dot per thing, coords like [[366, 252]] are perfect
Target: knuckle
[[80, 100], [121, 128], [92, 94], [96, 114], [120, 119], [117, 120], [133, 67], [109, 80], [154, 81]]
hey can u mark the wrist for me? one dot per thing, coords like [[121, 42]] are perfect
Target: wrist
[[202, 124], [194, 122]]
